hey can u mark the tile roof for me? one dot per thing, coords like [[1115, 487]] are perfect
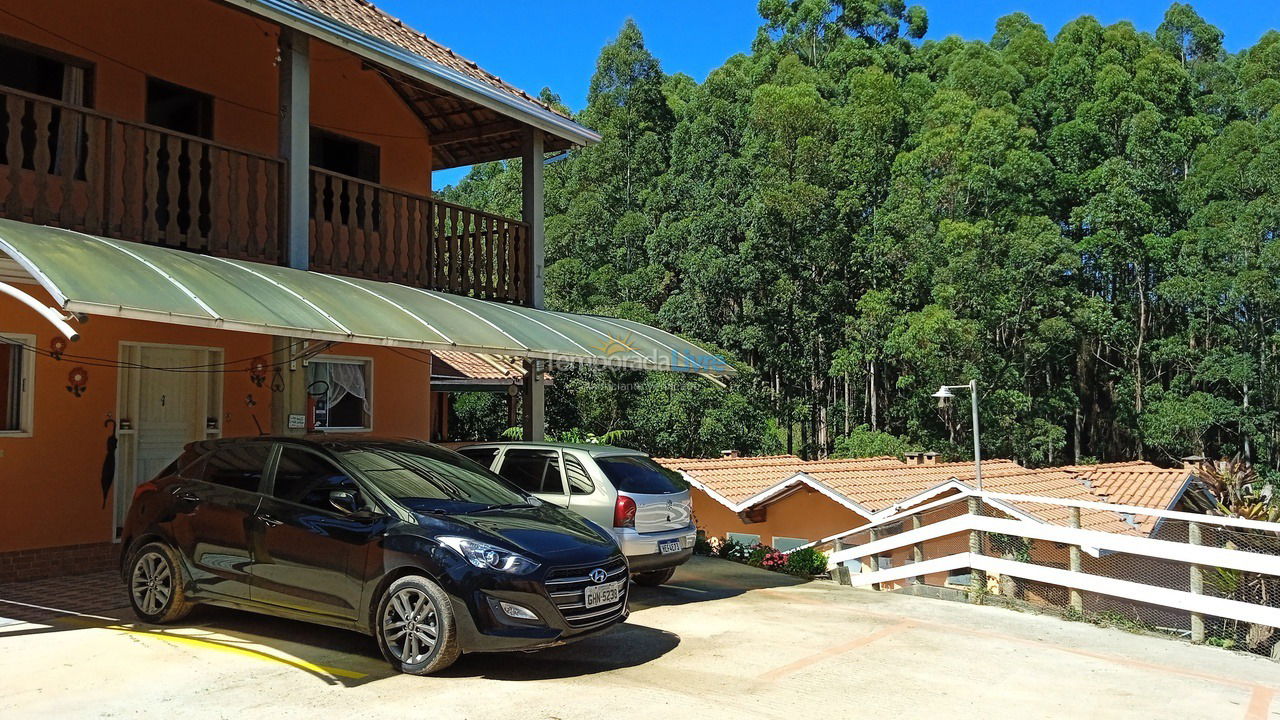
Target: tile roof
[[452, 364], [736, 478], [878, 483], [1133, 483], [369, 19]]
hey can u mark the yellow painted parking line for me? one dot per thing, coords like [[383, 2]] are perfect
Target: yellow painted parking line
[[70, 617], [242, 651]]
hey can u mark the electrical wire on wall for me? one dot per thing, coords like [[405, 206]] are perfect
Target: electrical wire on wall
[[207, 368], [244, 106]]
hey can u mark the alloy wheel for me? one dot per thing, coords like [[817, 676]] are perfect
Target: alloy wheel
[[410, 626], [152, 583]]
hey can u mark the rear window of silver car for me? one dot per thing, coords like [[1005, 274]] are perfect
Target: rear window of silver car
[[640, 475]]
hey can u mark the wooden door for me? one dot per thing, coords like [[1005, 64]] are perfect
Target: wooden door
[[170, 411]]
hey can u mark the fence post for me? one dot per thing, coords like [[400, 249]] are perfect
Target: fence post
[[917, 550], [977, 578], [1077, 600], [1195, 537], [841, 572], [873, 560]]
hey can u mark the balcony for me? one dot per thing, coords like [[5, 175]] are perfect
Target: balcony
[[75, 168]]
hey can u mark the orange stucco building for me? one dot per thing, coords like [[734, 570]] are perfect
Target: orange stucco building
[[298, 135]]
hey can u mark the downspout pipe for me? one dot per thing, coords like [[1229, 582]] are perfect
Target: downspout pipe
[[54, 317]]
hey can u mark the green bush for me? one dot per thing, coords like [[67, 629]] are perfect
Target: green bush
[[731, 550], [807, 561], [702, 546], [757, 554]]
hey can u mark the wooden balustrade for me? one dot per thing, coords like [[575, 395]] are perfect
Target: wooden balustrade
[[75, 168], [368, 230]]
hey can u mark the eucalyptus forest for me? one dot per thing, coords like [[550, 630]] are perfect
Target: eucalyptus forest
[[856, 212]]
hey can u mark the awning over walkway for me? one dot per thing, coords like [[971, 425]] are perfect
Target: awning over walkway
[[99, 276]]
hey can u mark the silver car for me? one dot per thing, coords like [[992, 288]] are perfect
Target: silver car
[[644, 505]]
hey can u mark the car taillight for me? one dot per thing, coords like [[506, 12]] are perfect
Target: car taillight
[[143, 488], [624, 512]]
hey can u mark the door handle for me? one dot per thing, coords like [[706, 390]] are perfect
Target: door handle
[[181, 493], [269, 521]]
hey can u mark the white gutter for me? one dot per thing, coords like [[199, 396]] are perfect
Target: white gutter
[[53, 316]]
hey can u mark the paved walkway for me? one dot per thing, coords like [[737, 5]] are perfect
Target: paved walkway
[[722, 641]]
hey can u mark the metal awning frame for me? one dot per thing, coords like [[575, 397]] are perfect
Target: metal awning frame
[[623, 357]]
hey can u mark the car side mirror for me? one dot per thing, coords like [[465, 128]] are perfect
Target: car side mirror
[[344, 501]]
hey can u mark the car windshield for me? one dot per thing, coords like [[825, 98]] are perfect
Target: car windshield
[[424, 473], [641, 475]]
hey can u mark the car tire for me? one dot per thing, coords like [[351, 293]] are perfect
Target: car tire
[[156, 585], [654, 578], [409, 612]]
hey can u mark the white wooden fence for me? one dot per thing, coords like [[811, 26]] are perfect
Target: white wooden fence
[[1190, 559]]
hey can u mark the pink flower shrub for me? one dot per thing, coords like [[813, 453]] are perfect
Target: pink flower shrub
[[774, 561]]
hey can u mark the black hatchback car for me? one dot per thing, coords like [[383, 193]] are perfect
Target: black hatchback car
[[427, 551]]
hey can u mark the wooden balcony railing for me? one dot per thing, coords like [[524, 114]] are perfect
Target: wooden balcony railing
[[78, 169], [75, 168], [368, 230]]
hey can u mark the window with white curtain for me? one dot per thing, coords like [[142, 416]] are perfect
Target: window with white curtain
[[341, 388]]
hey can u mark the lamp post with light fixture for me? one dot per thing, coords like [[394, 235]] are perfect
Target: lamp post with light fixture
[[944, 394]]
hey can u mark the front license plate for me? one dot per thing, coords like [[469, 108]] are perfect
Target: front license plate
[[669, 546], [597, 595]]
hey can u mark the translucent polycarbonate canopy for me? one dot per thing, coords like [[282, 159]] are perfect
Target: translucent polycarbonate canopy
[[100, 276]]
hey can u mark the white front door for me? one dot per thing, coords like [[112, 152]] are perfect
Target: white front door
[[170, 412]]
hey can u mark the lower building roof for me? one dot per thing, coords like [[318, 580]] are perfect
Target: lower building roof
[[880, 486]]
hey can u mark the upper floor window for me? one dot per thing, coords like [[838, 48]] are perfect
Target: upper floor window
[[344, 155], [178, 108], [39, 72], [16, 366]]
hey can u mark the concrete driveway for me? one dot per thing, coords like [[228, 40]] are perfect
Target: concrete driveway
[[722, 641]]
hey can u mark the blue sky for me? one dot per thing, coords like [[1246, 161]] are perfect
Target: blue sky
[[555, 44]]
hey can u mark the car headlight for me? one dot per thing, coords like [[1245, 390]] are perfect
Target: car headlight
[[489, 557]]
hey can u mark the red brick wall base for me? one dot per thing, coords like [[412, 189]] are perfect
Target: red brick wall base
[[20, 565]]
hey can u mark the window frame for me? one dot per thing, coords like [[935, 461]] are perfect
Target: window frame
[[26, 385], [565, 459], [317, 134], [268, 468], [87, 67], [365, 498], [368, 385], [799, 542], [735, 535], [208, 113], [559, 456]]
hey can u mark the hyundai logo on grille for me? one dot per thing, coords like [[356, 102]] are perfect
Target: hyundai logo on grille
[[599, 575]]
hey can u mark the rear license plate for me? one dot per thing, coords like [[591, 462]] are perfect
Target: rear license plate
[[597, 595], [669, 546]]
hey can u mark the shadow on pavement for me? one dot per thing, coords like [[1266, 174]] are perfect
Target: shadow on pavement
[[706, 580], [349, 659], [622, 646]]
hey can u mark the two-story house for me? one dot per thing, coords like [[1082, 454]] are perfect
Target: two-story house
[[216, 219]]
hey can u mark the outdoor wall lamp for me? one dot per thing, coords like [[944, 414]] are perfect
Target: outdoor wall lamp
[[944, 394]]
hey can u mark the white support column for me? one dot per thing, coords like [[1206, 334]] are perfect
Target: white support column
[[531, 196], [295, 144], [534, 421]]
